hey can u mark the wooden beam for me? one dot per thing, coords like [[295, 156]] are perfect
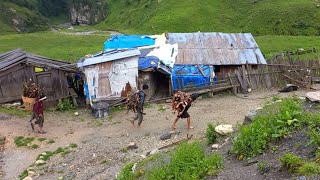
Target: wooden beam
[[201, 70]]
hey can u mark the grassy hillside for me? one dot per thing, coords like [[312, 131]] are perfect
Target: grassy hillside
[[54, 45], [260, 17], [72, 47]]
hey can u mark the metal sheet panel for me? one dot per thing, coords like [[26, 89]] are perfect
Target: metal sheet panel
[[109, 57], [216, 48], [113, 79]]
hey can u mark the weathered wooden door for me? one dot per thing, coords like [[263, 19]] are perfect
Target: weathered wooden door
[[44, 80]]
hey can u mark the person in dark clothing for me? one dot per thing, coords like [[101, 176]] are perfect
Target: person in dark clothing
[[38, 115], [141, 99], [183, 110]]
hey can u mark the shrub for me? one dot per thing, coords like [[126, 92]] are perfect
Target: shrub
[[309, 169], [291, 162], [65, 105], [211, 134]]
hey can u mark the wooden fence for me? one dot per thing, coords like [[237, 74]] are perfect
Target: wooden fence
[[281, 70]]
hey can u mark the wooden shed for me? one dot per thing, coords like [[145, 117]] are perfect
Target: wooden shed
[[111, 75], [18, 67]]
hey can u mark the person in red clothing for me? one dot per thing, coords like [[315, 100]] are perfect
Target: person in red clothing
[[38, 115]]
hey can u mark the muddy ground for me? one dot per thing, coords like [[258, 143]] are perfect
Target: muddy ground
[[101, 143]]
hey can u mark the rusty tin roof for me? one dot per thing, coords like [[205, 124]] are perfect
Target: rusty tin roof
[[216, 48]]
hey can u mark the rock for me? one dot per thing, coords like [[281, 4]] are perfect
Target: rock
[[168, 101], [154, 151], [86, 12], [313, 96], [41, 157], [134, 167], [172, 132], [76, 113], [44, 154], [302, 178], [145, 153], [215, 146], [302, 98], [28, 178], [16, 104], [30, 169], [259, 108], [143, 156], [165, 136], [40, 162], [224, 129], [132, 145], [250, 116], [30, 173]]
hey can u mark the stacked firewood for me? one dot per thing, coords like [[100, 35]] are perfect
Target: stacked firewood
[[178, 98], [132, 101], [31, 90]]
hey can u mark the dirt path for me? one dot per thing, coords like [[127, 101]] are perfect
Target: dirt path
[[100, 153]]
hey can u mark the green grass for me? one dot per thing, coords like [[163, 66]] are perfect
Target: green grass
[[295, 164], [188, 161], [51, 141], [276, 17], [23, 141], [262, 167], [15, 112], [55, 45], [270, 45], [277, 120]]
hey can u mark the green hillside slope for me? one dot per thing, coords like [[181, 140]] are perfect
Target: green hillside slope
[[260, 17]]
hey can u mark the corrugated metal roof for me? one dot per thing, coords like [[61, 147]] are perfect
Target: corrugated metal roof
[[11, 58], [216, 48], [109, 57]]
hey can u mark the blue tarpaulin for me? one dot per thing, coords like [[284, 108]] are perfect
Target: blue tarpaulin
[[190, 76], [148, 63], [128, 41]]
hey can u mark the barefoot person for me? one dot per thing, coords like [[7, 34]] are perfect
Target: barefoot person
[[183, 110], [38, 114], [141, 99]]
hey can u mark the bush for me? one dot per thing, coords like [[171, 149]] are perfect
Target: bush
[[65, 105], [291, 162], [277, 120], [309, 169], [211, 134], [188, 162]]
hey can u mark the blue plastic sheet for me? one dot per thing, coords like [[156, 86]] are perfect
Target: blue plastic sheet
[[153, 63], [128, 41], [148, 62], [189, 76]]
